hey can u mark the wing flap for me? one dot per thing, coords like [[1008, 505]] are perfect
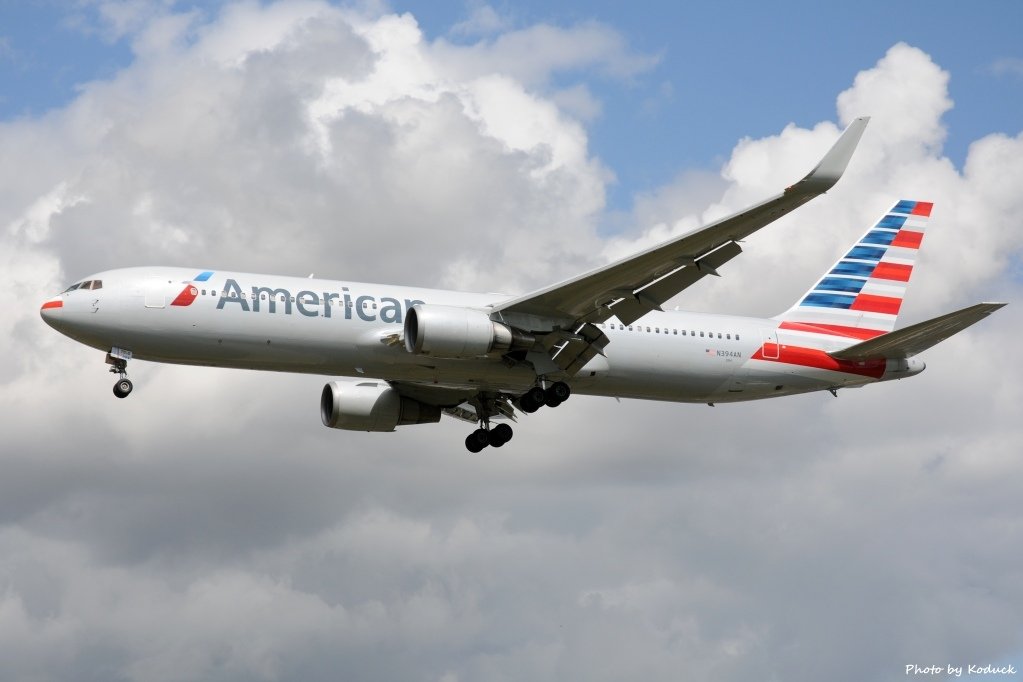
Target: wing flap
[[907, 342], [651, 297], [577, 351]]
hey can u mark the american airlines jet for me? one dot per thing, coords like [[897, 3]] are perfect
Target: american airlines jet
[[409, 355]]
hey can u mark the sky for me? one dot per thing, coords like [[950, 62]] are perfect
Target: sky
[[209, 527]]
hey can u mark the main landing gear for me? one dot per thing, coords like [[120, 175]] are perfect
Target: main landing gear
[[537, 397], [482, 437], [119, 366], [531, 401]]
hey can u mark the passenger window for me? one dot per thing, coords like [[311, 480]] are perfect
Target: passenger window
[[213, 293], [648, 330], [736, 337], [675, 332], [701, 335], [262, 297], [630, 327], [728, 336], [657, 330], [719, 335]]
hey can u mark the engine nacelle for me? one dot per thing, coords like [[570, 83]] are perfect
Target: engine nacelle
[[453, 332], [371, 406]]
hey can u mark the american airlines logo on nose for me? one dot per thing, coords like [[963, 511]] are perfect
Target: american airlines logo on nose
[[188, 294]]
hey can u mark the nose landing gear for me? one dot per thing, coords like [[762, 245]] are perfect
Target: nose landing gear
[[118, 358]]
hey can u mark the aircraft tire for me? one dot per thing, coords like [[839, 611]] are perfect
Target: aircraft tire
[[536, 395], [560, 390], [476, 441], [122, 388], [528, 404], [499, 435]]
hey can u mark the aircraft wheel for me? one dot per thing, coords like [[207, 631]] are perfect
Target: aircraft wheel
[[560, 390], [536, 395], [551, 401], [499, 435], [122, 388], [528, 405], [476, 441]]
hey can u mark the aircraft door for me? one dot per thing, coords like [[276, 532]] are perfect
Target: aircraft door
[[156, 293], [771, 349]]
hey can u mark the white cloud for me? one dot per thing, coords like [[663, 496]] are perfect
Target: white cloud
[[482, 20], [1012, 66], [532, 55], [210, 527]]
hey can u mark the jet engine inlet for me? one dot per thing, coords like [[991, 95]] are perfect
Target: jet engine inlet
[[452, 332], [371, 406]]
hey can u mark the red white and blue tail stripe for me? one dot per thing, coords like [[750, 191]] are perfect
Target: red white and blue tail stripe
[[860, 297]]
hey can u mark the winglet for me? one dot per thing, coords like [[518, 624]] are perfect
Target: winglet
[[826, 173]]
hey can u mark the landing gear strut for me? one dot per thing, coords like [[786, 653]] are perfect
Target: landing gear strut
[[119, 366]]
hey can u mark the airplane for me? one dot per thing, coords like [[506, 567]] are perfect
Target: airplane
[[409, 355]]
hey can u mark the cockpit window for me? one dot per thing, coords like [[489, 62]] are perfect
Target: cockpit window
[[90, 284]]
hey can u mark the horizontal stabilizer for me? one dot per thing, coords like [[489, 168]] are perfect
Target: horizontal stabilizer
[[904, 343]]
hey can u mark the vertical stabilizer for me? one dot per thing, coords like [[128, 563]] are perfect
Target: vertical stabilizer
[[862, 293]]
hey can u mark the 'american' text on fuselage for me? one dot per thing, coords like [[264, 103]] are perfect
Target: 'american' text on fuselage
[[312, 304]]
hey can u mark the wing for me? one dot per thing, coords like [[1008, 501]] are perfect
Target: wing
[[633, 286], [904, 343]]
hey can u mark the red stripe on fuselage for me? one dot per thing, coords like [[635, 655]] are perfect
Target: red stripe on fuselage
[[832, 330], [52, 304], [818, 359]]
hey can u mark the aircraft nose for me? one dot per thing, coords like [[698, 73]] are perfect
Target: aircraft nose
[[51, 309]]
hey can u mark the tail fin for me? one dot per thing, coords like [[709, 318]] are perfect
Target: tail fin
[[861, 294]]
